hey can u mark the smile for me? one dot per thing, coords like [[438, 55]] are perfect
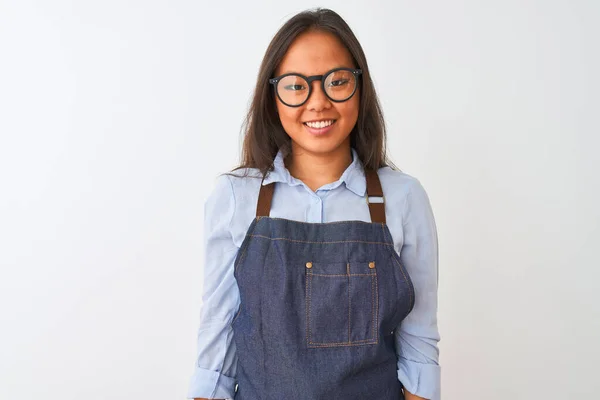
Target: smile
[[319, 124]]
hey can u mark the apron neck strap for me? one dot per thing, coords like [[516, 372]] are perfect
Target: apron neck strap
[[263, 209], [377, 209]]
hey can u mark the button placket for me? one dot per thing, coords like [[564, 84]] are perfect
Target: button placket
[[315, 212]]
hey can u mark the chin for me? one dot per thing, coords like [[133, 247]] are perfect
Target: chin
[[321, 146]]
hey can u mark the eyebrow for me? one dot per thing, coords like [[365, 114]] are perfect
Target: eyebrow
[[330, 69]]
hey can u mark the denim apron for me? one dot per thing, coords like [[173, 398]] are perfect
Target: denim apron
[[319, 303]]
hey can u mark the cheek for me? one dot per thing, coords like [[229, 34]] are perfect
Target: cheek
[[288, 115], [349, 111]]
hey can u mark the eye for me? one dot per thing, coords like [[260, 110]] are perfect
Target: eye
[[293, 87], [339, 82]]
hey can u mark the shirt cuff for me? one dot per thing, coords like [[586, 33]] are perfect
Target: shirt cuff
[[420, 379], [211, 385]]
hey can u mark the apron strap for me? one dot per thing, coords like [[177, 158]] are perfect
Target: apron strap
[[377, 210], [263, 209]]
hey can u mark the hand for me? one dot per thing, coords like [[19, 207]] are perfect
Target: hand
[[410, 396]]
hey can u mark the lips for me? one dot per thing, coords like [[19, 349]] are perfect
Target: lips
[[319, 127], [320, 124]]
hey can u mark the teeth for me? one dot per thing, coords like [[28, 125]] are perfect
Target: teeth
[[319, 124]]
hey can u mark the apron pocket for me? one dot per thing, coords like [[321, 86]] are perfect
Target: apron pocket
[[341, 304]]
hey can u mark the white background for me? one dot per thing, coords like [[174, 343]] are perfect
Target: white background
[[116, 116]]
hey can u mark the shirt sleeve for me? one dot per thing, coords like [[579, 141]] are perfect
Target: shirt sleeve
[[216, 362], [417, 336]]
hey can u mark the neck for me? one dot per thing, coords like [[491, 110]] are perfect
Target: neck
[[318, 169]]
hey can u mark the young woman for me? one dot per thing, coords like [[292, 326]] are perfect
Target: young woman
[[321, 266]]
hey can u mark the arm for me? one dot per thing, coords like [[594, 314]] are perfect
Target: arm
[[417, 336], [407, 396], [216, 362]]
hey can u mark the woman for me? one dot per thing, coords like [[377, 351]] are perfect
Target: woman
[[317, 286]]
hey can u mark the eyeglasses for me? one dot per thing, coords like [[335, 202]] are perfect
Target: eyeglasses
[[339, 85]]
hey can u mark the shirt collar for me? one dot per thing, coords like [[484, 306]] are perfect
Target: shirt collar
[[353, 177]]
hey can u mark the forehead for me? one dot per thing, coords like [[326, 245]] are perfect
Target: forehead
[[313, 53]]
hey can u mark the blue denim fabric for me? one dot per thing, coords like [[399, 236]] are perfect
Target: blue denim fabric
[[230, 210], [319, 306]]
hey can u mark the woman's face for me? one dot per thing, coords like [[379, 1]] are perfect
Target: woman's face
[[315, 53]]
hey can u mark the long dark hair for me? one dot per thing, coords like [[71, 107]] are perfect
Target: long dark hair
[[263, 133]]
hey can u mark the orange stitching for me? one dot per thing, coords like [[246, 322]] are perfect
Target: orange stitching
[[308, 241], [410, 292], [376, 326], [343, 344], [354, 341], [374, 312], [372, 308], [349, 302], [324, 223], [241, 259], [388, 234], [344, 275], [363, 341], [307, 305]]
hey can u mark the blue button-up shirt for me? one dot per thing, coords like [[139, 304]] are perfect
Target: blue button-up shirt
[[230, 209]]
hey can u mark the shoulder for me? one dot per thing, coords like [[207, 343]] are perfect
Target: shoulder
[[398, 187], [407, 205], [237, 191], [244, 182], [235, 186]]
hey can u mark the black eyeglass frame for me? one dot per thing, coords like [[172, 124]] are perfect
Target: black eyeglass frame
[[310, 79]]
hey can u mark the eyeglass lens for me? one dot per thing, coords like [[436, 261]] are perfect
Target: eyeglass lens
[[339, 86]]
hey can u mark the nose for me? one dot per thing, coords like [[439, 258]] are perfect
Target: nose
[[317, 101]]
